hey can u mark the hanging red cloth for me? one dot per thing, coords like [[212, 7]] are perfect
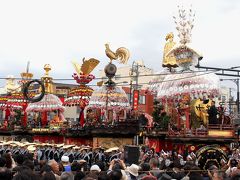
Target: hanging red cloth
[[7, 114], [24, 118], [44, 118], [81, 117]]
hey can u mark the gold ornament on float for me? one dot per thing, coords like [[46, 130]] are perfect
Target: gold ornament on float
[[169, 61], [121, 53], [200, 108], [86, 67]]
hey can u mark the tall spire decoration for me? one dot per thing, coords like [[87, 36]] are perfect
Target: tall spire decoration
[[184, 24]]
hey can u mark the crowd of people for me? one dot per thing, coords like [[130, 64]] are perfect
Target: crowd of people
[[44, 161]]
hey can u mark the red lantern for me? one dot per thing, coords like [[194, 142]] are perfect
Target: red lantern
[[135, 99]]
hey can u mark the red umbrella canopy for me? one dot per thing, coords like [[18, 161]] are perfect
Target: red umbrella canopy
[[78, 96], [49, 102]]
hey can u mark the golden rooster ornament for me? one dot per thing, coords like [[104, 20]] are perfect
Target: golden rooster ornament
[[122, 54]]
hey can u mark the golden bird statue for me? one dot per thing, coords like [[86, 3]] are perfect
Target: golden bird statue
[[86, 67], [122, 54]]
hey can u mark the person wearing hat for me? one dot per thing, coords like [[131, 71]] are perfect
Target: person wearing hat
[[42, 149], [23, 149], [56, 154], [66, 149], [115, 154], [132, 171], [46, 153], [61, 151], [51, 153], [39, 152], [85, 155], [90, 155], [99, 155], [69, 153], [1, 149], [8, 148], [76, 153], [14, 148], [95, 169], [66, 164]]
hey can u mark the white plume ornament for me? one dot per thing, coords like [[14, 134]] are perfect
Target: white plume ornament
[[184, 24]]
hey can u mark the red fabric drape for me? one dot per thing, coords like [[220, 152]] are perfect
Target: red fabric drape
[[43, 139], [187, 113], [7, 114], [44, 119], [154, 143], [24, 118], [81, 117]]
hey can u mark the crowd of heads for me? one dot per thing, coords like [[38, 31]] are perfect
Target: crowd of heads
[[36, 161]]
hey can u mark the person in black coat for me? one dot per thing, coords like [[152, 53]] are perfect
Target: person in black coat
[[212, 114]]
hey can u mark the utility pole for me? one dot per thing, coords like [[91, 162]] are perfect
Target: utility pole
[[230, 100], [134, 73], [236, 81]]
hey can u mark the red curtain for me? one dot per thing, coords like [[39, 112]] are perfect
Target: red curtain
[[24, 119], [43, 139], [7, 114], [81, 117], [154, 143], [44, 118]]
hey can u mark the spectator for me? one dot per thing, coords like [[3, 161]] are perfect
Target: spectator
[[155, 171], [29, 164], [95, 169], [79, 175], [45, 169], [55, 168], [19, 159], [67, 176], [75, 167], [103, 176], [133, 171], [116, 175], [5, 174], [144, 170], [66, 163], [48, 176], [25, 173], [9, 160], [2, 162]]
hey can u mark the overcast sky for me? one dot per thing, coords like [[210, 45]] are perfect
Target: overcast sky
[[57, 32]]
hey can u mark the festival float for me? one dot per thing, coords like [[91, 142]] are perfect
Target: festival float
[[109, 103], [18, 103], [13, 103], [46, 115], [185, 94], [79, 96], [5, 113]]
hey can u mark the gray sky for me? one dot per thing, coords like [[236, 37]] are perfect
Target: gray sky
[[57, 32]]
